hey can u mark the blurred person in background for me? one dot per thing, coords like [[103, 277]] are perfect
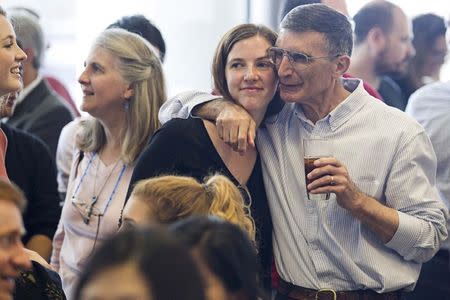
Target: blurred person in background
[[13, 257], [288, 5], [144, 264], [431, 51], [430, 106], [383, 47], [38, 109], [54, 82], [166, 199], [139, 24], [225, 255]]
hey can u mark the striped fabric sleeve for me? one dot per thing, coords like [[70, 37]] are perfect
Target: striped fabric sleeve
[[181, 105]]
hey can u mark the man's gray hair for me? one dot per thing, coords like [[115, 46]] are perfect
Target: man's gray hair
[[29, 34], [335, 26]]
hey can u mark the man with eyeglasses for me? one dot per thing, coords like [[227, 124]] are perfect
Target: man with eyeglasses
[[340, 6], [384, 217]]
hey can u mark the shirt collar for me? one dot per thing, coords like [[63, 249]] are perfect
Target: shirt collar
[[344, 110]]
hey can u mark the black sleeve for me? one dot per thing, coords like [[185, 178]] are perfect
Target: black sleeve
[[45, 210], [31, 167], [164, 152]]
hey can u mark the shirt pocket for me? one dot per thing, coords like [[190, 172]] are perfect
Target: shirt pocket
[[369, 187]]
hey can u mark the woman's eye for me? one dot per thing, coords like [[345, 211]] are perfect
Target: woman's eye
[[96, 68], [236, 65], [264, 64]]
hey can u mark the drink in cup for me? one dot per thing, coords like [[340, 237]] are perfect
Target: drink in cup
[[313, 149]]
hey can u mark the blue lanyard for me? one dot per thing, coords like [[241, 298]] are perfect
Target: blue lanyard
[[115, 188], [116, 185], [84, 174]]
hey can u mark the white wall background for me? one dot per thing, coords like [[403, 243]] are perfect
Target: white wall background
[[191, 29]]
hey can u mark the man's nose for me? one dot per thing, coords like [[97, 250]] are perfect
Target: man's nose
[[285, 67]]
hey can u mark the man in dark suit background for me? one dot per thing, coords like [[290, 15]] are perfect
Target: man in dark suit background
[[39, 110]]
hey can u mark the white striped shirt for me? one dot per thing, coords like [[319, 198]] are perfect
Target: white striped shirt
[[318, 244], [430, 106]]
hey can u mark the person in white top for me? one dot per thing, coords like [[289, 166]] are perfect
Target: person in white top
[[430, 106], [138, 24], [123, 89]]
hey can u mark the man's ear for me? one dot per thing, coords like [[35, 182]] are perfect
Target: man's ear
[[376, 40], [341, 66]]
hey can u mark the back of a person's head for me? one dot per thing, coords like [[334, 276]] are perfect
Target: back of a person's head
[[139, 24], [172, 198], [427, 28], [29, 33], [9, 192], [163, 262], [288, 5], [334, 26], [377, 13], [225, 249]]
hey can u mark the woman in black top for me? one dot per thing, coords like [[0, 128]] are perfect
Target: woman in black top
[[244, 74]]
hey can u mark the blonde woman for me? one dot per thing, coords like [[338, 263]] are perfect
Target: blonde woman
[[167, 199], [123, 88]]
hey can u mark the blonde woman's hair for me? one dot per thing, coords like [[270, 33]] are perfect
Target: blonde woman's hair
[[139, 66], [175, 197]]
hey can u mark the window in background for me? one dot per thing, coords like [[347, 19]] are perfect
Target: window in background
[[191, 30]]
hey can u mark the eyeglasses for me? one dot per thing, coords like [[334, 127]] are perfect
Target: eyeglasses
[[296, 59]]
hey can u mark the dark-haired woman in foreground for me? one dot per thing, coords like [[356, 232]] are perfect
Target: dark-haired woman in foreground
[[144, 264], [225, 255]]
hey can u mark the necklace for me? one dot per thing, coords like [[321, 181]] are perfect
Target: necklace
[[90, 207], [94, 196]]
